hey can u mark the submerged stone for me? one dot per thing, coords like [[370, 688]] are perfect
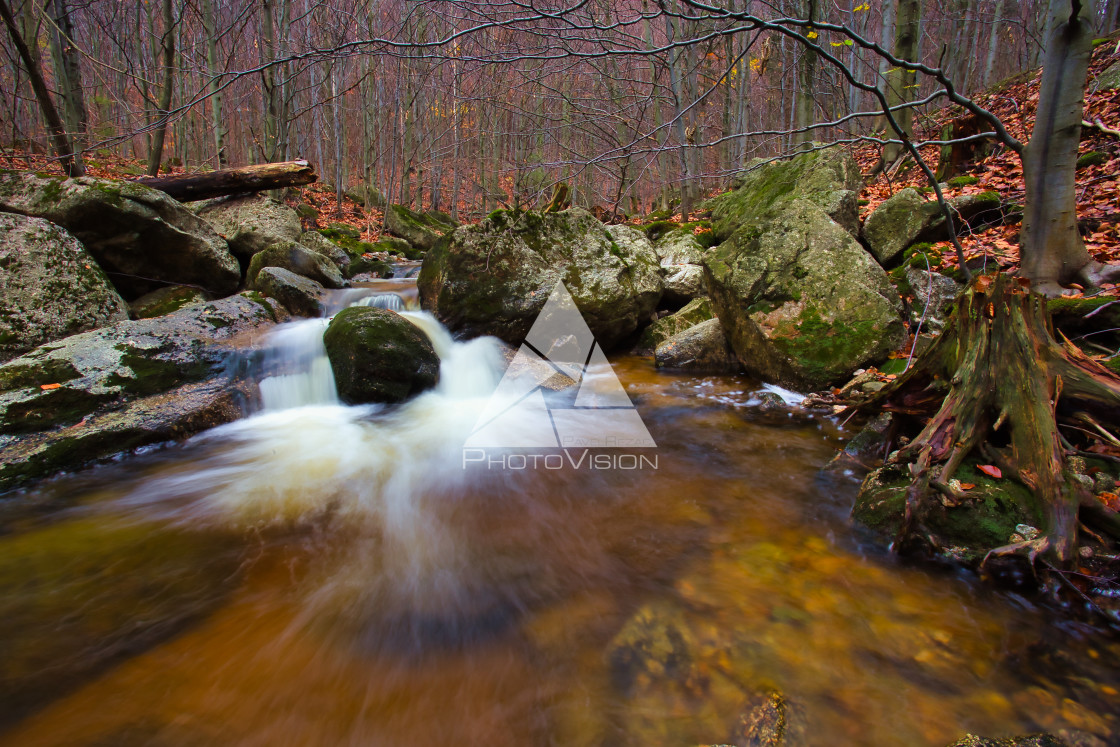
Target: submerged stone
[[77, 596]]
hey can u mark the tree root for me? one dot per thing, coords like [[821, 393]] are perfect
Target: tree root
[[994, 385]]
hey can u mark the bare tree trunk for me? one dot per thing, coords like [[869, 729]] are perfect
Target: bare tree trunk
[[1052, 250], [167, 46], [70, 165], [68, 76], [804, 104], [900, 90], [217, 117], [678, 122], [993, 43]]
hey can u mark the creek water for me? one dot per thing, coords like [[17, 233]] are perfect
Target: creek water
[[385, 595]]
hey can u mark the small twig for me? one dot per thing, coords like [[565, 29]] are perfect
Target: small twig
[[1095, 455], [1097, 124], [1087, 418], [1070, 585], [1091, 533], [1100, 308]]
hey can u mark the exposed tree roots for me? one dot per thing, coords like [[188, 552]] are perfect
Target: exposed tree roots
[[996, 386]]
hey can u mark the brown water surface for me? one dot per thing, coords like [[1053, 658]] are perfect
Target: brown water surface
[[578, 607]]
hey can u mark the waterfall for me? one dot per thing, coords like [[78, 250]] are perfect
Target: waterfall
[[295, 371], [295, 368], [390, 301]]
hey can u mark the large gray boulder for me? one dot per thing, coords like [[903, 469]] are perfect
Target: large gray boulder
[[702, 348], [906, 218], [803, 304], [106, 388], [298, 259], [493, 278], [166, 300], [829, 178], [679, 246], [301, 296], [694, 312], [141, 237], [379, 356], [1109, 80], [422, 230], [934, 297], [897, 223], [320, 244], [682, 283], [252, 223], [50, 286]]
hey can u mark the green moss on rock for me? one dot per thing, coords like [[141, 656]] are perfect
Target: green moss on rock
[[379, 356], [965, 532]]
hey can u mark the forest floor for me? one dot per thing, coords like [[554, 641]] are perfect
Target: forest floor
[[1014, 101]]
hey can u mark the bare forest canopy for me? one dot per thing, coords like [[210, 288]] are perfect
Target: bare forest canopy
[[482, 104]]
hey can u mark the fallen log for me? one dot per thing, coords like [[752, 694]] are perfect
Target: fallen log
[[188, 187]]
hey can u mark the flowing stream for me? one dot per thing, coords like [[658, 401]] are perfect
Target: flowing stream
[[384, 594]]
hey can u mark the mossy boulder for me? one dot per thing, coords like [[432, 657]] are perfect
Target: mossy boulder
[[298, 259], [828, 177], [320, 244], [78, 596], [1092, 158], [694, 312], [676, 245], [299, 295], [935, 295], [119, 425], [494, 277], [66, 382], [398, 247], [252, 223], [422, 230], [701, 348], [379, 356], [972, 212], [367, 195], [963, 533], [345, 229], [166, 300], [50, 286], [141, 237], [1109, 80], [802, 303], [682, 283], [898, 222]]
